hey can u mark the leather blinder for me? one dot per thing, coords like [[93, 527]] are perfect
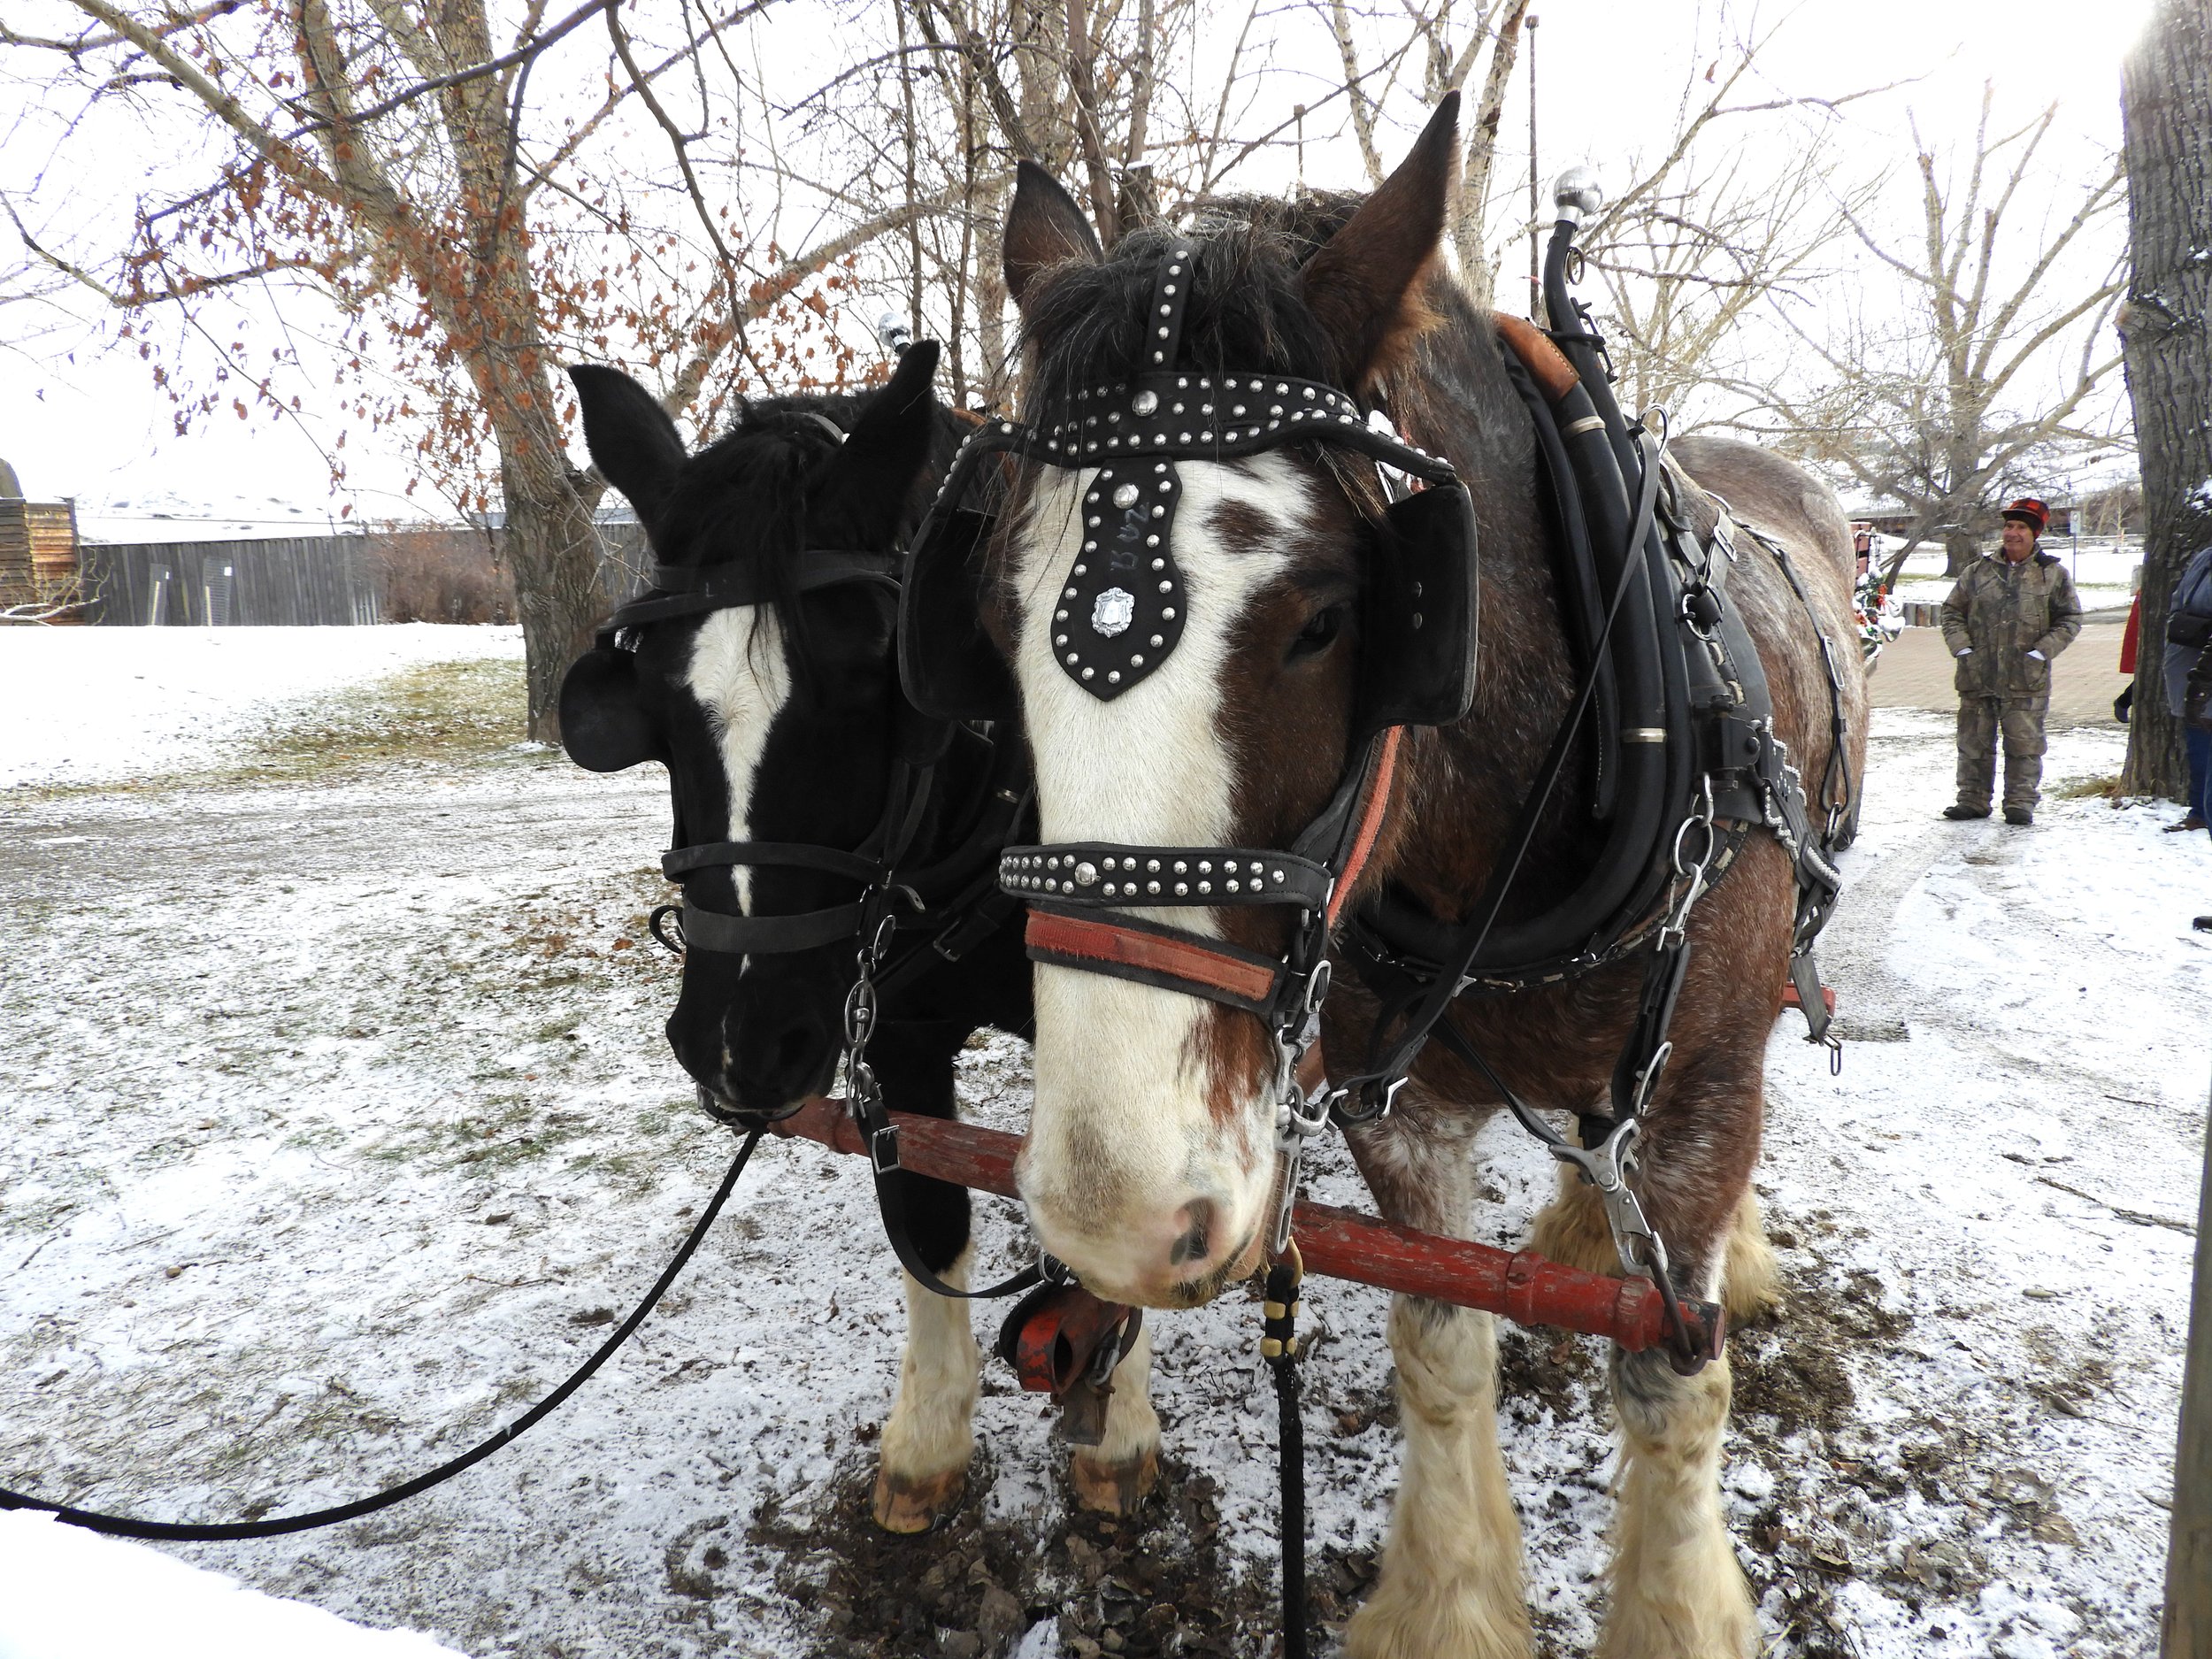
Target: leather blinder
[[948, 665], [605, 726], [1419, 618]]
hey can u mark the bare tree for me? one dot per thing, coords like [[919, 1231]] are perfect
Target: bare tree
[[1949, 405], [2166, 102], [391, 159]]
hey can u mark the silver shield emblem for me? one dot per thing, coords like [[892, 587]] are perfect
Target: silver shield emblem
[[1112, 612]]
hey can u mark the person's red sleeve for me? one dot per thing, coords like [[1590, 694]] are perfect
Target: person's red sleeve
[[2128, 634]]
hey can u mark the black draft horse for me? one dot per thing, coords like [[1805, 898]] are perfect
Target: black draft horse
[[780, 721]]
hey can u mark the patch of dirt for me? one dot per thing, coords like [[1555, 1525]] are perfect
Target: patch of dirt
[[1159, 1582], [1556, 1368], [1792, 1366]]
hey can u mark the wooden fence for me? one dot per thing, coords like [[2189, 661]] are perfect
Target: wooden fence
[[289, 581]]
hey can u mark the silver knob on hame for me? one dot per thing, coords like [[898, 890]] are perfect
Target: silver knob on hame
[[893, 332], [1576, 195]]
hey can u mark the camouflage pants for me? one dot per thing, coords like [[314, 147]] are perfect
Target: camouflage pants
[[2019, 722]]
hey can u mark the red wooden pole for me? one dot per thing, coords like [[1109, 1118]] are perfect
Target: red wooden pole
[[1341, 1243]]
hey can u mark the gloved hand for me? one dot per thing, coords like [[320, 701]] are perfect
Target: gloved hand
[[2037, 655], [1963, 651]]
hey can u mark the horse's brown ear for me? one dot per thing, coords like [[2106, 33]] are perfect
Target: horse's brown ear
[[1044, 227], [1362, 286]]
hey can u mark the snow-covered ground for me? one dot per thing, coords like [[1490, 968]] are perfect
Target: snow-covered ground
[[71, 1595], [2100, 570], [92, 704], [339, 1126]]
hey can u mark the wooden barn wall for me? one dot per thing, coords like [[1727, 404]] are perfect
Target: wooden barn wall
[[289, 581]]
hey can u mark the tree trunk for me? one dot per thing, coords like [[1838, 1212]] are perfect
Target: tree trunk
[[1961, 547], [2166, 108], [554, 549]]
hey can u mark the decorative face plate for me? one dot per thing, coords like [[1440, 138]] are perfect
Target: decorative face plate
[[1121, 607]]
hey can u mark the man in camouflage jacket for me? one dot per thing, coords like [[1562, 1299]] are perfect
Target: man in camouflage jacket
[[2004, 621]]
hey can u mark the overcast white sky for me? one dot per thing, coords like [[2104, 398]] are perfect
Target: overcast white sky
[[76, 420]]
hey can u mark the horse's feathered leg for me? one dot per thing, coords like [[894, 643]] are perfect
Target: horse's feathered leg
[[1113, 1477], [1451, 1584], [927, 1440], [1678, 1591]]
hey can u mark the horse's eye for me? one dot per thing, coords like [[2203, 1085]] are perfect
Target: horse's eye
[[1319, 633]]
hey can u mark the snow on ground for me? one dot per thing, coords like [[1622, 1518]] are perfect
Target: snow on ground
[[340, 1125], [93, 704], [71, 1594], [2102, 572]]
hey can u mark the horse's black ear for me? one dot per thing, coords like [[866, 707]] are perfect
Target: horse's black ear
[[873, 475], [631, 438], [1044, 227], [1362, 286], [605, 726]]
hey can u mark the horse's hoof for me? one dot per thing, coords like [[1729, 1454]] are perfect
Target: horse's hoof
[[1105, 1488], [903, 1505]]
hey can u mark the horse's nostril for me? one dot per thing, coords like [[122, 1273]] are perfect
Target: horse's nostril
[[1197, 1237]]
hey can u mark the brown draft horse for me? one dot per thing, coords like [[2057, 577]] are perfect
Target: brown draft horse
[[1151, 1150]]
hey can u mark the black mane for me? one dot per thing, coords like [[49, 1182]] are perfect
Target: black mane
[[748, 498]]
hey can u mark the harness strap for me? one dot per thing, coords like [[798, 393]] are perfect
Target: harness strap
[[1370, 825], [768, 935], [1148, 954], [800, 854]]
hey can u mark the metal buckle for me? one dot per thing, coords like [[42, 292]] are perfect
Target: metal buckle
[[883, 1149]]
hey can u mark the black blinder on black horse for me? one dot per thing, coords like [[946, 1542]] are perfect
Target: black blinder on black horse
[[605, 726]]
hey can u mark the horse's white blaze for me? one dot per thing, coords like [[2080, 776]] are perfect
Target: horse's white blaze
[[1120, 1137], [742, 676]]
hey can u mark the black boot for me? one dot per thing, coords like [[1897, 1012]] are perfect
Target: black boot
[[1963, 811], [2019, 815]]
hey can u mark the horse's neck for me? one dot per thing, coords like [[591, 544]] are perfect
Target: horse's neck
[[1455, 398]]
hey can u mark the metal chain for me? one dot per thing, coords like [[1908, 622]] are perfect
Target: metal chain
[[863, 1094], [1297, 1113]]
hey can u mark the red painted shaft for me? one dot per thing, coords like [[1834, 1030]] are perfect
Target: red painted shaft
[[1341, 1243]]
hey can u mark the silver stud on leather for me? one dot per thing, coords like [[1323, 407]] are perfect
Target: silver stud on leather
[[1086, 873]]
